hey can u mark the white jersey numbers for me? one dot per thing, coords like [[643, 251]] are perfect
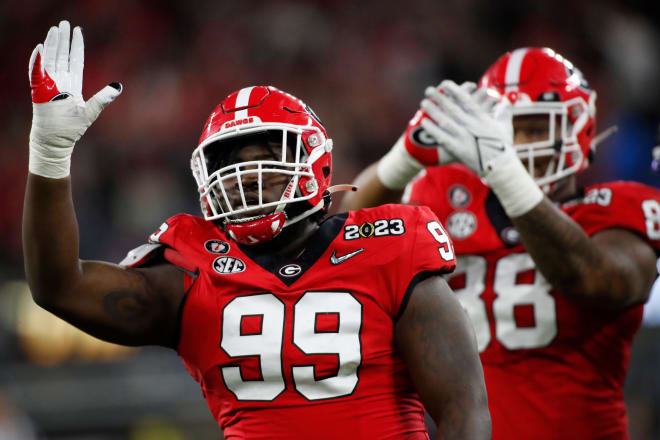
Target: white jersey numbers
[[651, 210], [531, 297], [263, 340], [437, 231], [535, 295], [342, 314], [155, 237], [323, 323]]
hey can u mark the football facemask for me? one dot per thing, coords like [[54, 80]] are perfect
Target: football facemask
[[236, 192], [539, 81]]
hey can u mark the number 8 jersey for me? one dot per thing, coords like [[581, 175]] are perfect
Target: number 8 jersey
[[304, 348], [554, 369]]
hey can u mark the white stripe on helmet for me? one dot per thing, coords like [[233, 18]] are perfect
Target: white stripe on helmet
[[242, 100], [512, 75]]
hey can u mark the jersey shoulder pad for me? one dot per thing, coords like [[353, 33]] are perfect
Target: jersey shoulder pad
[[390, 210], [420, 239], [627, 205], [140, 255], [182, 229], [168, 243]]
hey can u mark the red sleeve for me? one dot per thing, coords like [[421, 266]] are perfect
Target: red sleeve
[[626, 205], [161, 247], [431, 252]]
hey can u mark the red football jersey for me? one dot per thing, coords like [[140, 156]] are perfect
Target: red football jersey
[[554, 369], [304, 348]]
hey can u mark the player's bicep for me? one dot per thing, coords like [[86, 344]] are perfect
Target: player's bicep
[[124, 305], [438, 345], [631, 265]]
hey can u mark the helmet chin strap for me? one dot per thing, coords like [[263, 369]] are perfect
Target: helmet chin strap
[[600, 137], [262, 228], [342, 187]]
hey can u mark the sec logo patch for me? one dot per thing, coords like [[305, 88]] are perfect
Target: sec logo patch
[[461, 224], [228, 265]]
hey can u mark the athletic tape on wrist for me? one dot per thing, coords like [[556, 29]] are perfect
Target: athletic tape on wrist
[[512, 184], [54, 163], [397, 168]]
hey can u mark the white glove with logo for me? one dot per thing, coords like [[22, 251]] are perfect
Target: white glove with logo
[[477, 130], [60, 116]]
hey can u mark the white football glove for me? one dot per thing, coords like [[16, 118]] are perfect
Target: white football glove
[[467, 127], [60, 116], [477, 130], [413, 151]]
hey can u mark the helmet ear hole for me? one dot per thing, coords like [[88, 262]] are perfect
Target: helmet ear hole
[[326, 172]]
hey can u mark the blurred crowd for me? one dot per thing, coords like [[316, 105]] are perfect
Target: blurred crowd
[[361, 65]]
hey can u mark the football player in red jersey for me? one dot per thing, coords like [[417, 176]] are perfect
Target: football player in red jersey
[[554, 277], [294, 326]]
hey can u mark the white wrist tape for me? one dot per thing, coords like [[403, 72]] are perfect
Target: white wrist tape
[[54, 163], [512, 184], [398, 167], [56, 126]]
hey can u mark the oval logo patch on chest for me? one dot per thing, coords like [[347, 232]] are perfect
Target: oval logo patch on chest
[[217, 246], [290, 270], [228, 265]]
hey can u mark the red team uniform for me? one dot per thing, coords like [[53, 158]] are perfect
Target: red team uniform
[[281, 346], [553, 368]]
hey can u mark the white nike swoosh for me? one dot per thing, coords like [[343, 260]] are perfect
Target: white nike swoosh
[[334, 259]]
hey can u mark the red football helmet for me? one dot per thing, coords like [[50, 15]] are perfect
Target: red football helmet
[[540, 81], [263, 110]]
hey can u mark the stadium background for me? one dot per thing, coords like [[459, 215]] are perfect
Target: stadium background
[[361, 65]]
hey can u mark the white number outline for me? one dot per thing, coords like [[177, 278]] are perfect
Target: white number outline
[[651, 209], [440, 235], [155, 237], [381, 228], [244, 390], [506, 298], [232, 375], [298, 380], [397, 227]]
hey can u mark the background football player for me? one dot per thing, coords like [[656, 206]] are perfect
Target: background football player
[[553, 276], [294, 328]]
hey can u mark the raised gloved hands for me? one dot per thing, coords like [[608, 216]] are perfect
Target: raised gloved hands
[[477, 130], [60, 116], [472, 127]]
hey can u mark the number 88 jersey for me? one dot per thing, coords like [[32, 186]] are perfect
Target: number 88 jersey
[[304, 348], [553, 368]]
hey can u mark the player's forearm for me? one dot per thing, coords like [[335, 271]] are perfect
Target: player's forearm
[[50, 237], [473, 424], [565, 255], [371, 192]]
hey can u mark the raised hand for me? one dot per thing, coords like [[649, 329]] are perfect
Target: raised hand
[[473, 127], [60, 116]]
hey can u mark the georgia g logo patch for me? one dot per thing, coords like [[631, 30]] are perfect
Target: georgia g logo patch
[[228, 265], [290, 270]]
